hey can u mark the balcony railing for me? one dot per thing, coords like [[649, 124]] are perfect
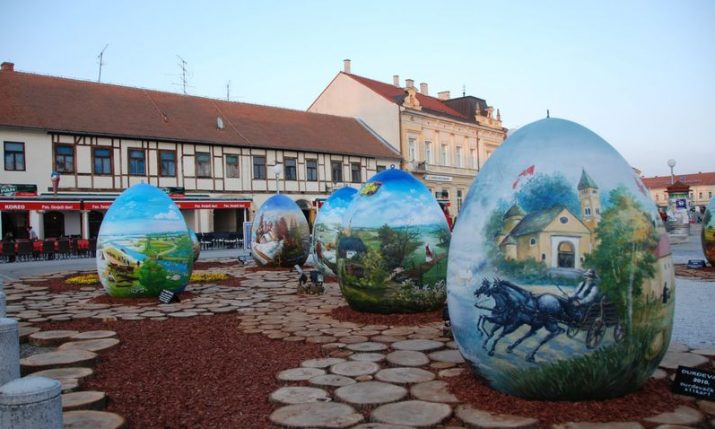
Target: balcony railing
[[426, 168]]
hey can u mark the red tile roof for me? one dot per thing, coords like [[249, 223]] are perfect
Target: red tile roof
[[74, 106], [396, 94], [697, 179]]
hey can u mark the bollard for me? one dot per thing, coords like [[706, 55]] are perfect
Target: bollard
[[9, 350], [31, 402]]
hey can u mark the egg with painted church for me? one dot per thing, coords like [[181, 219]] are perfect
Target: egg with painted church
[[328, 224], [560, 280], [708, 232], [143, 245], [392, 250], [280, 235]]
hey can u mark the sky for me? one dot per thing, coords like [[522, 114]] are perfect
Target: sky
[[639, 73]]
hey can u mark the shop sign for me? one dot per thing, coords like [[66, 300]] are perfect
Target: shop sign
[[213, 204], [436, 178], [17, 190], [39, 205]]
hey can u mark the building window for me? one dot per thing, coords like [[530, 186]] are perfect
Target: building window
[[14, 156], [232, 166], [445, 155], [710, 194], [336, 167], [168, 163], [289, 168], [458, 157], [700, 195], [564, 219], [259, 167], [64, 159], [428, 152], [459, 200], [102, 161], [203, 164], [311, 170], [137, 162], [473, 157], [657, 197], [412, 149], [587, 211], [691, 196], [380, 168], [355, 175]]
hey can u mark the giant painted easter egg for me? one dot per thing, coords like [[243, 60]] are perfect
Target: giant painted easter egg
[[195, 244], [327, 225], [143, 246], [280, 235], [708, 233], [392, 250], [560, 280]]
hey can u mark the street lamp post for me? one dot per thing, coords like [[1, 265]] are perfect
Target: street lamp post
[[671, 164], [277, 172]]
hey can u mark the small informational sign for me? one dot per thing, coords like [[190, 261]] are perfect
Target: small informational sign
[[696, 263], [247, 235], [680, 203], [167, 296], [694, 382]]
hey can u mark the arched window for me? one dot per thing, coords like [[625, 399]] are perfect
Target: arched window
[[566, 257]]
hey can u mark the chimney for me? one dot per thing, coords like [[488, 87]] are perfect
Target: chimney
[[423, 88], [346, 65], [7, 67], [396, 80], [443, 95], [409, 83]]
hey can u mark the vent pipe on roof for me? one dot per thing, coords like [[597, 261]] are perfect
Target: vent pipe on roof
[[346, 65], [443, 95], [7, 67], [424, 89], [396, 80], [409, 83]]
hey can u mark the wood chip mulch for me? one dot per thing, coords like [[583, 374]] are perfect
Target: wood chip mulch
[[706, 273], [198, 372], [347, 314], [653, 398], [58, 285], [149, 300]]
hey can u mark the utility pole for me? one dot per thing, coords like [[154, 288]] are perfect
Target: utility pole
[[101, 62]]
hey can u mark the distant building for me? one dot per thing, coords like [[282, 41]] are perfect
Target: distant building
[[444, 141], [214, 157], [702, 187]]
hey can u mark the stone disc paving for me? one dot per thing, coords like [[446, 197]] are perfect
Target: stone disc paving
[[358, 358]]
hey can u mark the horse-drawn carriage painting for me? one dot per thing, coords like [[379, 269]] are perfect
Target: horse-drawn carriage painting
[[560, 279]]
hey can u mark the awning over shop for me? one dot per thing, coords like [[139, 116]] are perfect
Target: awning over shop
[[185, 202]]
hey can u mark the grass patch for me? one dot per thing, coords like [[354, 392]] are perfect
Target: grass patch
[[606, 373], [84, 280], [207, 276]]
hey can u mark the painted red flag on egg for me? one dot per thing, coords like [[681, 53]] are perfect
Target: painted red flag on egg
[[529, 171]]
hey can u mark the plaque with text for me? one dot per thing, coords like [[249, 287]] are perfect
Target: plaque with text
[[694, 382]]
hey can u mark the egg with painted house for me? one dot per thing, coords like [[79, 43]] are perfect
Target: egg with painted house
[[280, 235], [143, 245], [560, 281], [328, 224], [708, 233], [392, 249]]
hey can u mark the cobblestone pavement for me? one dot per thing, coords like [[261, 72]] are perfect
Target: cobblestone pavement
[[369, 376]]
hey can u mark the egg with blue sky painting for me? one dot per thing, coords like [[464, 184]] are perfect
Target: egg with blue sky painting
[[392, 249], [560, 280], [143, 246]]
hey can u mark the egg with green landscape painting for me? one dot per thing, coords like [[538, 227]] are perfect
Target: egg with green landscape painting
[[143, 246], [195, 244], [708, 233], [328, 224], [280, 235], [392, 248], [560, 280]]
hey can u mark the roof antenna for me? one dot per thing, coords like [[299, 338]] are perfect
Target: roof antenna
[[101, 63], [464, 90], [228, 91], [547, 113], [183, 72]]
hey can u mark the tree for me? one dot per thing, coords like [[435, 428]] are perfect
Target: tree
[[624, 256], [152, 275], [544, 191], [396, 245], [444, 236]]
